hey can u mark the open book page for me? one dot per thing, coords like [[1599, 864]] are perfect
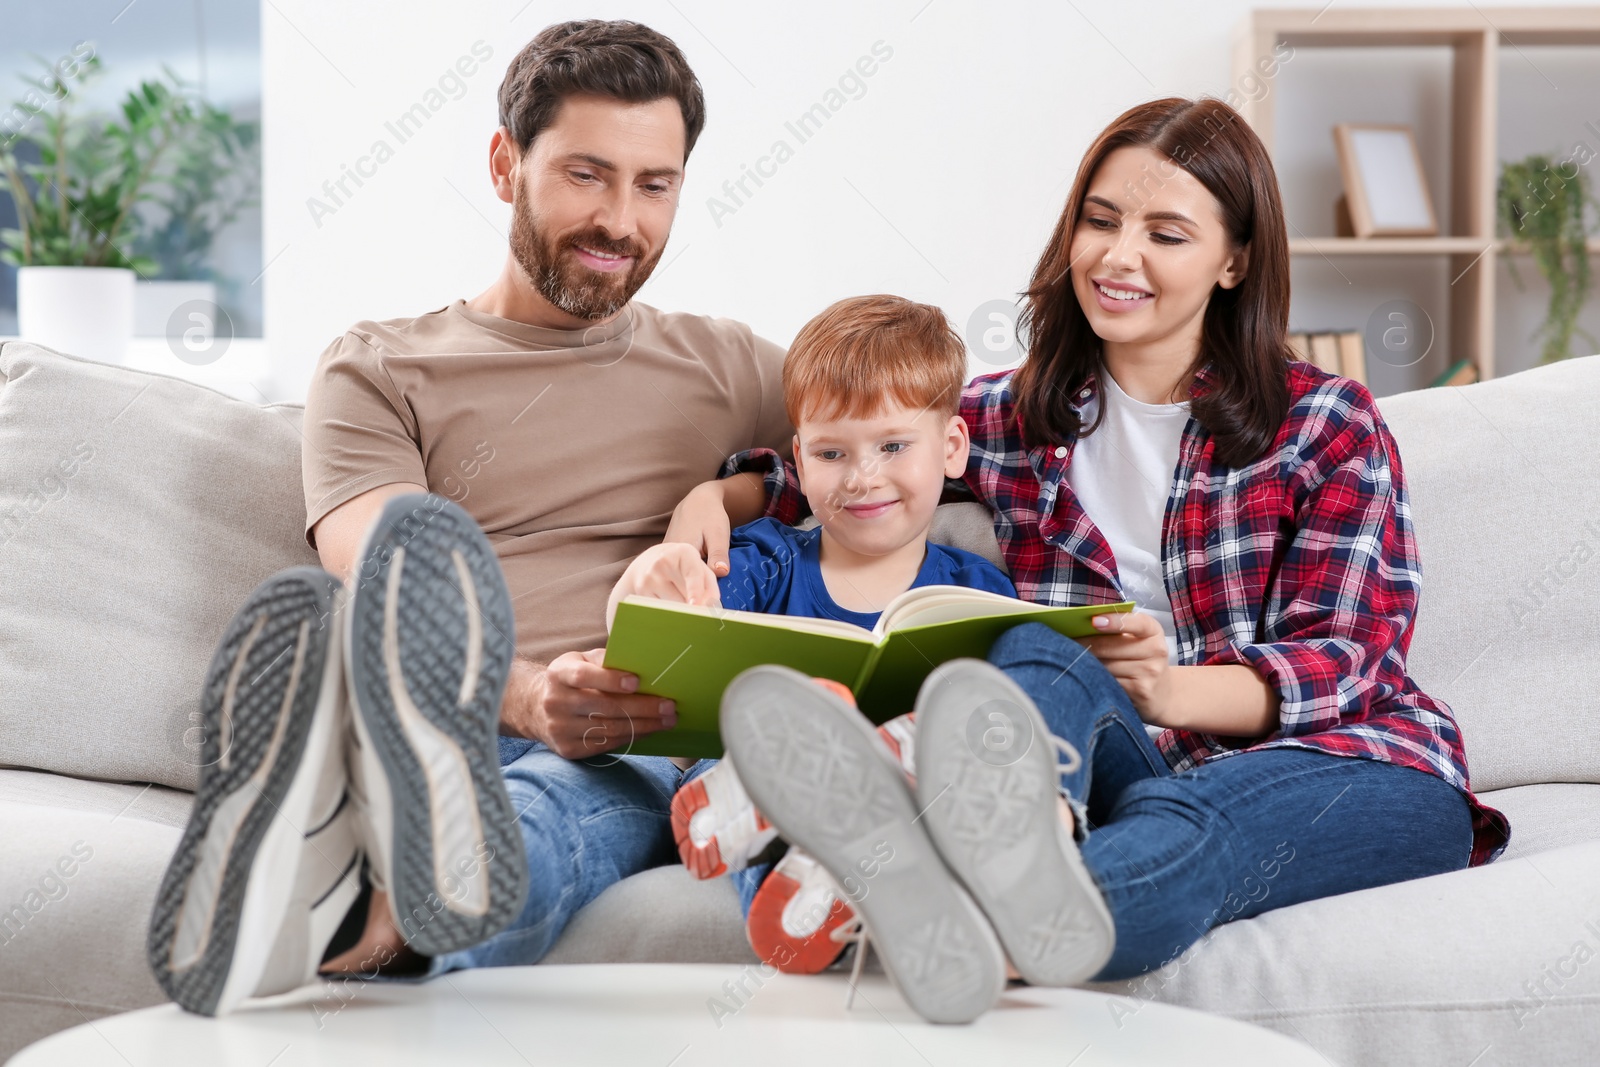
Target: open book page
[[969, 625], [945, 603], [804, 624]]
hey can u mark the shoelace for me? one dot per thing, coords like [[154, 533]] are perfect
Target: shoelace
[[855, 931]]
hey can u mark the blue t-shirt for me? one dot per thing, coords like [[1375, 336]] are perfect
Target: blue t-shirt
[[778, 569]]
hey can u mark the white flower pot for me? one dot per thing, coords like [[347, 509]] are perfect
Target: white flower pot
[[82, 311]]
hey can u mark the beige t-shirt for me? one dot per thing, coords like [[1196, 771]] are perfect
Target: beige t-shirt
[[569, 447]]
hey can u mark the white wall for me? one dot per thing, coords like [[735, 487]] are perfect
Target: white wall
[[940, 182]]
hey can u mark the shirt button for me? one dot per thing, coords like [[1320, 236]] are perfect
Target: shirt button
[[1061, 451]]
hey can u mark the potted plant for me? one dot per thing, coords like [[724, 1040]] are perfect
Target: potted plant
[[76, 193], [1543, 203], [214, 177]]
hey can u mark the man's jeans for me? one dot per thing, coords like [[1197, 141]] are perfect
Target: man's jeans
[[1177, 854], [585, 825]]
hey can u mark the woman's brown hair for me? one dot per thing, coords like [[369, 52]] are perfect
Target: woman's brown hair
[[1245, 331]]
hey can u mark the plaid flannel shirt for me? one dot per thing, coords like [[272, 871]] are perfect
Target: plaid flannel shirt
[[1302, 565]]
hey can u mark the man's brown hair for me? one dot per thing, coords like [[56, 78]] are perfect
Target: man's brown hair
[[866, 350], [621, 59]]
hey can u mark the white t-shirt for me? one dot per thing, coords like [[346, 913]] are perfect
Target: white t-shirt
[[1122, 475]]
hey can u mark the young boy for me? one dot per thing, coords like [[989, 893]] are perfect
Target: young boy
[[871, 386]]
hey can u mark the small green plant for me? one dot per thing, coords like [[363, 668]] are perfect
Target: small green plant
[[1544, 203], [215, 176], [79, 204]]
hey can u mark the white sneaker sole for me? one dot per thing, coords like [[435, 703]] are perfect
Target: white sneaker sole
[[270, 714], [820, 773], [429, 645], [988, 786]]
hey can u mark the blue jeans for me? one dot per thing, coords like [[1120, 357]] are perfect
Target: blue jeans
[[1178, 854], [585, 825]]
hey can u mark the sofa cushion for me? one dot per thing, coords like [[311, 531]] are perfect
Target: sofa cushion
[[663, 915], [967, 525], [1547, 816], [136, 513], [1428, 971], [82, 863], [1503, 477], [1433, 971]]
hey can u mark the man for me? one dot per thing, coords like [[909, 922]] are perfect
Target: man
[[563, 422]]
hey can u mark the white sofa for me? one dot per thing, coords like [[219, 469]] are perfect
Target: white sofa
[[136, 511]]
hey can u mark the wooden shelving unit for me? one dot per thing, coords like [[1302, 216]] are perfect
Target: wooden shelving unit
[[1409, 246], [1474, 36]]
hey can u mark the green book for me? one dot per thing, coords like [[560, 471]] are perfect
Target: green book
[[690, 653]]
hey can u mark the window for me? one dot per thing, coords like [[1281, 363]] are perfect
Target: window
[[202, 221]]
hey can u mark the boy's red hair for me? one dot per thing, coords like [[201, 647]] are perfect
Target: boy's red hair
[[867, 350]]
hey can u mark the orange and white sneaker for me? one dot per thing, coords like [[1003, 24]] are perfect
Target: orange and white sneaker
[[800, 921], [716, 827], [821, 773]]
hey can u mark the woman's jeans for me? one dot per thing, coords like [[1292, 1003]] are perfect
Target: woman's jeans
[[1177, 854]]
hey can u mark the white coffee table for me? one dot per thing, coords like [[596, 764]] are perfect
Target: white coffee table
[[660, 1016]]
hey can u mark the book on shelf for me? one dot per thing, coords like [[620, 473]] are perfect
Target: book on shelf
[[1325, 352], [1461, 372], [690, 652], [1353, 356], [1337, 353]]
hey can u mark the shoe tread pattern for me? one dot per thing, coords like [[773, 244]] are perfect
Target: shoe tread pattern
[[433, 631], [819, 771], [286, 601], [997, 826]]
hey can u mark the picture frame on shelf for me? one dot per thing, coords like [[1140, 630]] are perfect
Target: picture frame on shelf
[[1386, 190]]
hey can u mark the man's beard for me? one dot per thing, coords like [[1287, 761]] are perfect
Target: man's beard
[[555, 271]]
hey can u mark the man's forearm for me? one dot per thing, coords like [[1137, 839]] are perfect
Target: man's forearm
[[524, 685], [1226, 699]]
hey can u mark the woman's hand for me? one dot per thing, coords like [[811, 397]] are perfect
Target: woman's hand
[[1134, 649], [701, 521]]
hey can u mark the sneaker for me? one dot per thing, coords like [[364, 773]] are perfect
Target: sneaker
[[799, 922], [988, 791], [428, 647], [822, 775], [715, 825], [269, 862]]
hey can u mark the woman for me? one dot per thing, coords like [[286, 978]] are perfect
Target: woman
[[1161, 444]]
